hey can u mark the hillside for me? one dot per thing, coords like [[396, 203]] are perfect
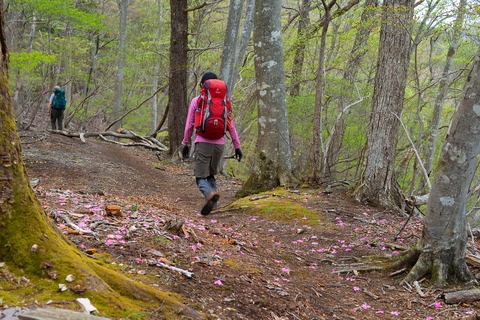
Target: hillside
[[276, 255]]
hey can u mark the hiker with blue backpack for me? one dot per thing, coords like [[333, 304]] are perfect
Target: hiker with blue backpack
[[56, 108], [210, 115]]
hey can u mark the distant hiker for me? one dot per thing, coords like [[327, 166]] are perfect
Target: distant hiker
[[56, 107], [210, 115]]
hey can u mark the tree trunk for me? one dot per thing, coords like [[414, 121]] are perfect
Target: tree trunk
[[444, 235], [177, 88], [122, 47], [242, 46], [273, 158], [444, 84], [230, 41], [377, 184], [158, 67], [317, 117], [302, 38]]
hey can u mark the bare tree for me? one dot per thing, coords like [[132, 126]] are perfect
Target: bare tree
[[377, 184], [242, 44], [230, 41], [317, 117], [302, 38], [444, 237], [122, 47], [334, 144], [273, 157], [444, 84], [158, 66]]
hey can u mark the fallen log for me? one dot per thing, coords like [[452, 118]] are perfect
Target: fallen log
[[462, 296]]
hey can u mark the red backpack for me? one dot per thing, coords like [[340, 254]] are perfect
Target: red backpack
[[214, 110]]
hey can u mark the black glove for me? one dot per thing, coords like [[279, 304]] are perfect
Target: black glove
[[238, 154], [185, 151]]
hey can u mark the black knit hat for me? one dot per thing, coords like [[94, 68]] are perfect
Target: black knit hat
[[207, 76]]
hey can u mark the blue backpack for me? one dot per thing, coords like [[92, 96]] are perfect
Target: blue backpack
[[59, 101]]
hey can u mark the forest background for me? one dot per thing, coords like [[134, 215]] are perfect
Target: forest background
[[353, 93], [113, 59]]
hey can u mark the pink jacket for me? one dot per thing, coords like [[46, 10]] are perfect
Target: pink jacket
[[190, 126]]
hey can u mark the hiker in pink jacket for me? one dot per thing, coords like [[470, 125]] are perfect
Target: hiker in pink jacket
[[208, 151]]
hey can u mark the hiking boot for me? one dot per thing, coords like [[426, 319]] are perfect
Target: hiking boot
[[210, 204]]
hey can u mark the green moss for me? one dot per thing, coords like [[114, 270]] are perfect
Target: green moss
[[234, 265], [230, 263], [281, 205]]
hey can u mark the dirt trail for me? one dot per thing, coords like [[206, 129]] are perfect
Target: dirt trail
[[245, 266]]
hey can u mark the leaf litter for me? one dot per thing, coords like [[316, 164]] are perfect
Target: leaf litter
[[230, 264]]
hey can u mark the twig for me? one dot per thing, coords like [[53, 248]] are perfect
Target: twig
[[419, 289], [73, 225], [186, 273], [133, 109], [397, 272], [420, 162], [371, 295]]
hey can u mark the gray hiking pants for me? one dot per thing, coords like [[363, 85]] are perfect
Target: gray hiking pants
[[207, 158]]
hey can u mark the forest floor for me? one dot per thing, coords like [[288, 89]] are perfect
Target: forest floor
[[247, 261]]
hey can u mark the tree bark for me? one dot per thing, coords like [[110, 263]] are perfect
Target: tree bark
[[242, 46], [273, 158], [444, 84], [158, 67], [317, 117], [177, 88], [377, 184], [444, 236], [302, 38], [230, 41], [122, 47]]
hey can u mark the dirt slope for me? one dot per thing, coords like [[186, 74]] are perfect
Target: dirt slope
[[244, 266]]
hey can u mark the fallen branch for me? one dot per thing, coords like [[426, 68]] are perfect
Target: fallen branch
[[417, 200], [186, 273], [473, 260], [462, 296], [139, 141], [73, 225], [419, 289], [357, 267]]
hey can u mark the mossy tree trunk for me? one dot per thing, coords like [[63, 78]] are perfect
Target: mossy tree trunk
[[273, 161], [444, 235], [28, 238]]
